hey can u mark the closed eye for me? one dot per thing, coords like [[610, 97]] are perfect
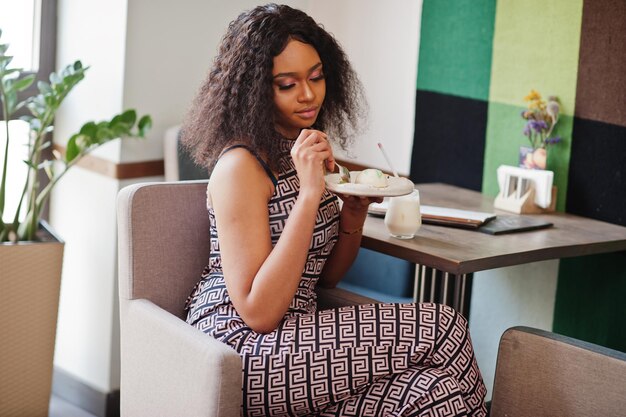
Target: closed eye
[[285, 87]]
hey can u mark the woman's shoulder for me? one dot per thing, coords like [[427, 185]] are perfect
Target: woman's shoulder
[[239, 166]]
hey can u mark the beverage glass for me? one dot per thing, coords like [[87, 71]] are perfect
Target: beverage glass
[[403, 218]]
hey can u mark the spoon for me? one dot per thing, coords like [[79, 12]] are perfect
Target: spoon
[[344, 174]]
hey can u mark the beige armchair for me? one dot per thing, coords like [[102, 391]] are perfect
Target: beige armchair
[[540, 373], [169, 368]]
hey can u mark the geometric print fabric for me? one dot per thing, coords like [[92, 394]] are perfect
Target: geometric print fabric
[[368, 360], [378, 359]]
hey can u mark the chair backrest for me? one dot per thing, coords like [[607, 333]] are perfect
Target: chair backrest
[[540, 373], [163, 245], [179, 165]]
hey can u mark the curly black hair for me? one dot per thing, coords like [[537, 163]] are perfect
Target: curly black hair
[[235, 102]]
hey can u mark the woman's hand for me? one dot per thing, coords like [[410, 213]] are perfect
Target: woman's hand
[[354, 210], [310, 153]]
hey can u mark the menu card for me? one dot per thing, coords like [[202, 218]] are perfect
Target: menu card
[[513, 224], [442, 216], [446, 216]]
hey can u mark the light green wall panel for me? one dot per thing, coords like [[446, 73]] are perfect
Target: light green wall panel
[[504, 138], [536, 45], [455, 47]]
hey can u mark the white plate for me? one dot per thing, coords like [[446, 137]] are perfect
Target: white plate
[[397, 186]]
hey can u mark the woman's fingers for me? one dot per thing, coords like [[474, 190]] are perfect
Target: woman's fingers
[[358, 200], [309, 136], [319, 143], [313, 144]]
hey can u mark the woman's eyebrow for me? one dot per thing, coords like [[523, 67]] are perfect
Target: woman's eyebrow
[[293, 74]]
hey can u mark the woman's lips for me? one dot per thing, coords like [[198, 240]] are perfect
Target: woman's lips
[[307, 113]]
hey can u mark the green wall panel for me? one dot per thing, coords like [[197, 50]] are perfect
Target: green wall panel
[[590, 299], [504, 138], [496, 51], [536, 46], [455, 47]]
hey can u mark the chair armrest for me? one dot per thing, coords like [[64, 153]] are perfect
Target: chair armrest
[[338, 297], [540, 373], [160, 351]]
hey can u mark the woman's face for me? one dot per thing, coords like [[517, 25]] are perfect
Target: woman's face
[[299, 87]]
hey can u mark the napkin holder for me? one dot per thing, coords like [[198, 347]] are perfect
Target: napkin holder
[[525, 191]]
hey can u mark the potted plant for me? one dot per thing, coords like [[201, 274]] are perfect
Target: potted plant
[[30, 253], [541, 118]]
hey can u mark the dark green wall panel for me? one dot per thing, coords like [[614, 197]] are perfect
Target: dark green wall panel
[[597, 178], [590, 299], [449, 140]]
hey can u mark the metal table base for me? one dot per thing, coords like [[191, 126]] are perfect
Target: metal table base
[[432, 285]]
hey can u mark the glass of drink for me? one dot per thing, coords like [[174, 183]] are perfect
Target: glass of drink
[[403, 218]]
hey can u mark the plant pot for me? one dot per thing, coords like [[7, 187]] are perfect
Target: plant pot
[[30, 279], [532, 158]]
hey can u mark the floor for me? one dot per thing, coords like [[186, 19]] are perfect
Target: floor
[[61, 408]]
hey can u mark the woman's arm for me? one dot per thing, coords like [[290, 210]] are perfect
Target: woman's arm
[[353, 214], [262, 280]]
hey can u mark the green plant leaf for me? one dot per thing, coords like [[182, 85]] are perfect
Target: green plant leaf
[[89, 129], [23, 83], [119, 129], [3, 48], [50, 101], [55, 79], [145, 124], [35, 109], [129, 116], [11, 98], [30, 164], [35, 124], [72, 150], [4, 62], [105, 134], [44, 87], [9, 71], [21, 104]]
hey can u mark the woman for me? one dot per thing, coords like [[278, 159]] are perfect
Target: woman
[[280, 87]]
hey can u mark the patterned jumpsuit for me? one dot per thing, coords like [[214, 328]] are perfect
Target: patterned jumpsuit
[[368, 360]]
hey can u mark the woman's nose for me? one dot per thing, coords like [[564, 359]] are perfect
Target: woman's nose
[[306, 93]]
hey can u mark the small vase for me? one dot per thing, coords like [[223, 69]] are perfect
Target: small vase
[[532, 158]]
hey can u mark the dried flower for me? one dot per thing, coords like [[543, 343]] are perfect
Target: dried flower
[[541, 118]]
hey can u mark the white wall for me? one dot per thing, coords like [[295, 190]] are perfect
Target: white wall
[[521, 295], [382, 41], [93, 32], [82, 206]]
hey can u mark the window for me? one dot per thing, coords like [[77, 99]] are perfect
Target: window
[[29, 27], [19, 22]]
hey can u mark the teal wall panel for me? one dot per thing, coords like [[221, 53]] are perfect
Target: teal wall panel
[[455, 47]]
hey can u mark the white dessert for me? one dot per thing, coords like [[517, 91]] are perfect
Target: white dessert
[[372, 177]]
